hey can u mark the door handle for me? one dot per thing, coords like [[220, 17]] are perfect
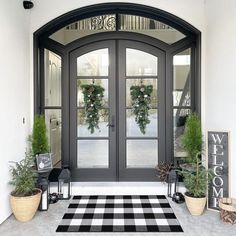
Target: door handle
[[112, 123]]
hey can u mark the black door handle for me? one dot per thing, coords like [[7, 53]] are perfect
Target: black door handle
[[112, 124]]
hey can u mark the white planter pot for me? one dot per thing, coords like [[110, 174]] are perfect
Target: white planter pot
[[195, 205]]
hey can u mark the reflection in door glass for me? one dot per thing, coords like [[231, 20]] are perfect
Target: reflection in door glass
[[52, 82], [53, 123], [182, 78], [139, 63], [179, 117], [141, 153], [132, 127], [92, 154], [82, 125], [93, 63]]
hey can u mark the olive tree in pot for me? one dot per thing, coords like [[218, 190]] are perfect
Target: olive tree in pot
[[25, 198], [196, 177]]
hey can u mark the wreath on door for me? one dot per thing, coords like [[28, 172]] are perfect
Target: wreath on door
[[93, 97], [141, 104]]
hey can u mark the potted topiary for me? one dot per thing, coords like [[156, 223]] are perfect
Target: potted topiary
[[196, 182], [196, 177], [25, 198], [39, 138]]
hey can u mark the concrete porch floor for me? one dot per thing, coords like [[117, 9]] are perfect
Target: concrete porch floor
[[45, 223]]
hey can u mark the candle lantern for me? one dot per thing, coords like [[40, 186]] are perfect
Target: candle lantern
[[43, 185], [64, 184], [173, 179]]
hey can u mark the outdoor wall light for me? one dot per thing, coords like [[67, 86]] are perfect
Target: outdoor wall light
[[28, 4]]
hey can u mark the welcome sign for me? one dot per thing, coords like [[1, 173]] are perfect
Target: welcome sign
[[218, 162]]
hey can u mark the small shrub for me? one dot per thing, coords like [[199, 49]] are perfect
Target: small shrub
[[23, 177]]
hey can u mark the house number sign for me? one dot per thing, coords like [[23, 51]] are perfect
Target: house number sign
[[218, 162]]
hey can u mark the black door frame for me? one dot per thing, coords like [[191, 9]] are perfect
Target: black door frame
[[41, 41], [117, 170], [93, 174]]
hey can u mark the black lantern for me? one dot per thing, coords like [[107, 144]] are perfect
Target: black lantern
[[43, 185], [173, 178], [44, 167], [64, 184]]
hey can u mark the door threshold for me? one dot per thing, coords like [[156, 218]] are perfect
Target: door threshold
[[118, 188]]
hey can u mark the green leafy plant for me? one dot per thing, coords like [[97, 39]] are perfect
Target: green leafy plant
[[23, 177], [141, 104], [197, 179], [192, 138], [93, 97], [39, 138]]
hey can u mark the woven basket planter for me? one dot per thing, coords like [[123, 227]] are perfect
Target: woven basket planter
[[24, 208], [228, 210], [195, 205]]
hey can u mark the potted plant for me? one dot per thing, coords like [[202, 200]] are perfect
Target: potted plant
[[196, 182], [39, 138], [25, 198], [196, 177]]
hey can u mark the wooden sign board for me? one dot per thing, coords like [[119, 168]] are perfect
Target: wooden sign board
[[44, 162], [218, 162]]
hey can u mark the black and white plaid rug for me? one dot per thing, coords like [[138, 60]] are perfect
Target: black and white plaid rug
[[119, 214]]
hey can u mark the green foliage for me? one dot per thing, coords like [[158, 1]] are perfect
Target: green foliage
[[197, 180], [23, 176], [93, 96], [141, 104], [39, 136], [192, 138]]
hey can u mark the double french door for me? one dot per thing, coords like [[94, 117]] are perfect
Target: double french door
[[127, 143]]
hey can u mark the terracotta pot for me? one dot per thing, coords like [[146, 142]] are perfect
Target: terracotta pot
[[195, 205], [24, 208]]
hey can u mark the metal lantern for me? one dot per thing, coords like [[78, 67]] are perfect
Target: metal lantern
[[64, 184], [43, 185], [173, 178]]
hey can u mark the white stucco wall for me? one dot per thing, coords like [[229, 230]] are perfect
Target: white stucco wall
[[14, 92], [220, 73]]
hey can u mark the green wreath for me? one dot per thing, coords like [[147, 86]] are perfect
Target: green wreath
[[93, 97], [141, 104]]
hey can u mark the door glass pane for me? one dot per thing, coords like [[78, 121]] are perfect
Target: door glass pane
[[137, 82], [92, 154], [150, 27], [182, 78], [179, 118], [85, 27], [82, 125], [93, 63], [101, 82], [53, 123], [141, 153], [133, 128], [139, 63], [52, 86]]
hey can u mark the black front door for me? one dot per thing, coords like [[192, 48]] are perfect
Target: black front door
[[127, 78]]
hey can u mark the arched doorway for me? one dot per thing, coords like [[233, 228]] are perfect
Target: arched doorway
[[118, 49]]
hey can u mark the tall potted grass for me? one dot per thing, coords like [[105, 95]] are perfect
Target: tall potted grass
[[196, 177], [25, 198]]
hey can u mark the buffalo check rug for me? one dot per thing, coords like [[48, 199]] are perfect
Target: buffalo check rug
[[106, 213]]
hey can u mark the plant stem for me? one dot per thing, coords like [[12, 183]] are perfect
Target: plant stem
[[197, 179]]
